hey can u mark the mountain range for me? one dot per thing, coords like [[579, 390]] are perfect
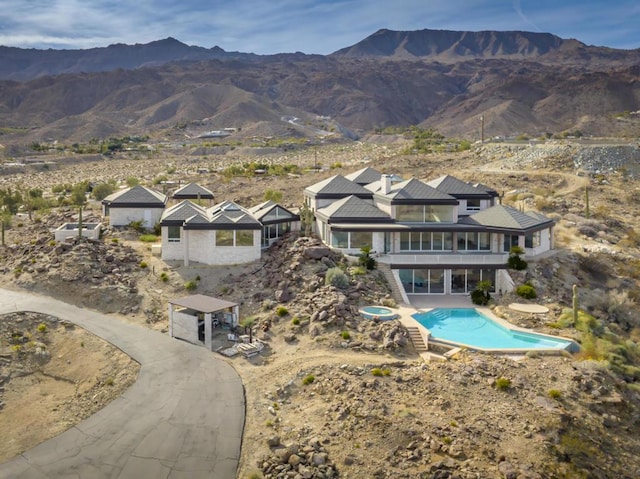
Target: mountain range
[[519, 82]]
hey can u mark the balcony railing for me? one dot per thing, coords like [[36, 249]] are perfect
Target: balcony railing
[[480, 259]]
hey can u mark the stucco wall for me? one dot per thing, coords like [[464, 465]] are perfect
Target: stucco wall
[[172, 251], [124, 216], [202, 249], [185, 327]]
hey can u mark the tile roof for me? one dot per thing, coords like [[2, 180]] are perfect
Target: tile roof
[[364, 176], [501, 216], [263, 209], [193, 191], [182, 211], [417, 190], [353, 208], [136, 195], [455, 187], [337, 185]]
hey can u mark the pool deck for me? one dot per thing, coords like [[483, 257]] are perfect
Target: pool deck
[[426, 303]]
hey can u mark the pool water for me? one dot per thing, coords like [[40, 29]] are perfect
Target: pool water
[[469, 327], [377, 312]]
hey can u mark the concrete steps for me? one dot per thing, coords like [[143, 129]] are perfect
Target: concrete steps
[[417, 339], [385, 269]]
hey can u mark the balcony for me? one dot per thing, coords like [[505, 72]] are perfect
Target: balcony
[[448, 259]]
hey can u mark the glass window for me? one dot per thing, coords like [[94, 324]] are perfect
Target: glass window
[[244, 238], [462, 241], [224, 238], [532, 240], [436, 281], [416, 244], [439, 213], [436, 243], [339, 239], [406, 278], [421, 281], [458, 281], [509, 241], [489, 275], [173, 234], [472, 241], [485, 241], [410, 213], [405, 241], [448, 241], [473, 205], [360, 239], [473, 277]]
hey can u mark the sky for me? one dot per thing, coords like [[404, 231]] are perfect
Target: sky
[[286, 26]]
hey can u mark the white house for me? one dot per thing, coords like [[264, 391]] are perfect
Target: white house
[[138, 203], [440, 237], [223, 234]]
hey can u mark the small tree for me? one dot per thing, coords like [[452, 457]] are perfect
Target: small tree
[[306, 218], [247, 324], [79, 199], [515, 261], [480, 295], [365, 259]]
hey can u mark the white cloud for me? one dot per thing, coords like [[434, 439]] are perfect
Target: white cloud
[[311, 26]]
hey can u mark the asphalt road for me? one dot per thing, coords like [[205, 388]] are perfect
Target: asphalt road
[[183, 417]]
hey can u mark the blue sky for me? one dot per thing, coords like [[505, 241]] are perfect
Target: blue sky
[[283, 26]]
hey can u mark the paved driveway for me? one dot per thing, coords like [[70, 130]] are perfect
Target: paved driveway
[[183, 417]]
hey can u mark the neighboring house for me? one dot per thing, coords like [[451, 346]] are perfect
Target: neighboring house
[[193, 191], [276, 221], [223, 234], [134, 204], [440, 237]]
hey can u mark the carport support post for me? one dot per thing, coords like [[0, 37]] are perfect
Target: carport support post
[[208, 332], [170, 320]]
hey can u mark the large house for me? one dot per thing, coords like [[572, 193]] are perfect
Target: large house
[[438, 237], [226, 233], [137, 203]]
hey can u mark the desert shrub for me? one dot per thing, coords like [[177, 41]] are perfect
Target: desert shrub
[[148, 238], [295, 321], [308, 379], [164, 276], [376, 372], [554, 394], [345, 335], [42, 328], [282, 311], [136, 226], [503, 383], [358, 271], [544, 204], [190, 285], [101, 191], [336, 277], [526, 291], [389, 302]]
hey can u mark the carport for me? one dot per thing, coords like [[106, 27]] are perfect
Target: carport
[[193, 318]]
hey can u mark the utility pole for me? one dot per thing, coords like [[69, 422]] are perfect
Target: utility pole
[[482, 129]]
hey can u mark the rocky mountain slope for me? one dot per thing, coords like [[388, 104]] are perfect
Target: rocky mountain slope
[[519, 82]]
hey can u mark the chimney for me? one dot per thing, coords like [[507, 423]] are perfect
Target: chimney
[[385, 184]]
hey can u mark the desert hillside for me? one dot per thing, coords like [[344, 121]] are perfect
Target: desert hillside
[[373, 407]]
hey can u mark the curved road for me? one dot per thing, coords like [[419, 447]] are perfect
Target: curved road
[[183, 417]]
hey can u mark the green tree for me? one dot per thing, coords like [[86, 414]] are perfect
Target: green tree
[[102, 190]]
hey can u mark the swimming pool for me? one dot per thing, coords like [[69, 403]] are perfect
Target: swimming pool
[[377, 312], [470, 328]]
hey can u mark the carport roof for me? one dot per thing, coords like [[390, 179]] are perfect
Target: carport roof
[[203, 303]]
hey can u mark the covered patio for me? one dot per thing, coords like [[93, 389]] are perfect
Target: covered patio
[[193, 318]]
